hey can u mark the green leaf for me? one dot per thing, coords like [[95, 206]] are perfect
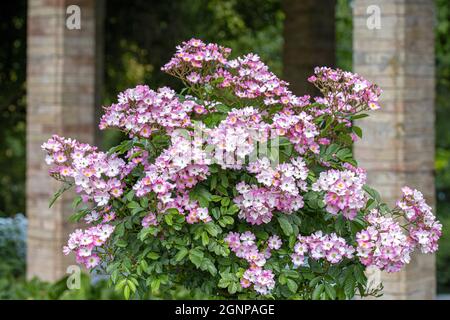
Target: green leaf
[[133, 205], [126, 292], [373, 193], [222, 108], [223, 180], [122, 243], [181, 254], [223, 283], [292, 285], [349, 286], [232, 209], [359, 116], [120, 284], [77, 216], [130, 195], [155, 284], [196, 257], [233, 288], [331, 292], [58, 193], [172, 211], [358, 131], [144, 265], [76, 202], [285, 225], [212, 229], [318, 291], [209, 265], [225, 202], [153, 255], [358, 272], [168, 219], [370, 204], [227, 220], [213, 182], [315, 281], [205, 238]]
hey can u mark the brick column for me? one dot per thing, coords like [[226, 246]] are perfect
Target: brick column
[[309, 41], [398, 143], [61, 100]]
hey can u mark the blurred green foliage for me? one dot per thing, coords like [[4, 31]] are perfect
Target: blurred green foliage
[[35, 289], [12, 107], [344, 37], [20, 289], [443, 140]]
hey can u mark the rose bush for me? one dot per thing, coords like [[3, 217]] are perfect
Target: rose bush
[[237, 187]]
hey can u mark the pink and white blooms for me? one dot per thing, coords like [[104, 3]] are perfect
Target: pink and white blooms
[[321, 246], [149, 220], [141, 111], [257, 204], [97, 176], [289, 177], [237, 136], [383, 244], [345, 92], [84, 244], [424, 229], [192, 58], [245, 247], [240, 180], [299, 128], [388, 243], [344, 192]]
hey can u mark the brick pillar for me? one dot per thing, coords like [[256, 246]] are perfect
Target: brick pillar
[[61, 100], [398, 143], [309, 41]]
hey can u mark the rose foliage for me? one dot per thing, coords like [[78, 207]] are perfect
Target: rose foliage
[[236, 187]]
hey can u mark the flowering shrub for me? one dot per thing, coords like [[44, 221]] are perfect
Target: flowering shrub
[[237, 187]]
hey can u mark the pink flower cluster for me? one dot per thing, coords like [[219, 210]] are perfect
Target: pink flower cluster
[[176, 170], [280, 191], [383, 244], [149, 220], [247, 76], [194, 56], [84, 243], [318, 246], [298, 128], [344, 192], [97, 176], [244, 246], [423, 227], [250, 78], [104, 215], [289, 177], [345, 92], [180, 167], [140, 111], [237, 136], [387, 244], [256, 204]]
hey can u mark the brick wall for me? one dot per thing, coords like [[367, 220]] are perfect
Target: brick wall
[[398, 143], [60, 99]]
